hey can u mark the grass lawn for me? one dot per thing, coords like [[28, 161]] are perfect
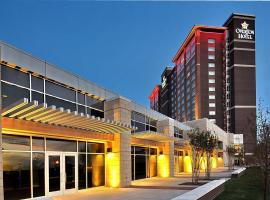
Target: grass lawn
[[248, 187]]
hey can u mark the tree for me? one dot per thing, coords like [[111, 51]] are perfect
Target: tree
[[263, 146], [201, 142], [231, 150], [209, 147]]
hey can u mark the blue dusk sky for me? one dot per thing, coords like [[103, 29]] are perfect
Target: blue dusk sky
[[123, 46]]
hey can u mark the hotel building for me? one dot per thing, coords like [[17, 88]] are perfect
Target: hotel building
[[214, 77], [61, 133]]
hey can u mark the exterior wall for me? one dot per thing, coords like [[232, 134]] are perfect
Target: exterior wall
[[242, 79], [226, 138]]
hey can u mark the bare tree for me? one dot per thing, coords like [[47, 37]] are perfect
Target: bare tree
[[263, 146]]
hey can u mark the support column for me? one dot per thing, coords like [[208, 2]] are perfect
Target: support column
[[118, 161]]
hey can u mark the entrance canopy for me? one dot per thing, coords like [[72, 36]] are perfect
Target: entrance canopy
[[155, 136], [33, 111]]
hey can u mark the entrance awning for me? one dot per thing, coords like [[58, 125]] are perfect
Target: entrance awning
[[33, 111], [155, 136]]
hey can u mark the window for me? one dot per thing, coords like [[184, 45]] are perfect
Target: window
[[211, 41], [60, 91], [211, 57], [212, 97], [211, 64], [15, 76], [12, 94], [211, 89], [211, 73], [37, 83], [212, 105], [212, 112], [211, 48], [211, 81]]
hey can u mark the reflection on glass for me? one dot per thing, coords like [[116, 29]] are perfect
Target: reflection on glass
[[16, 174], [82, 147], [54, 173], [95, 147], [61, 145], [70, 171], [82, 171], [11, 94], [140, 167], [95, 170], [38, 144], [38, 174], [14, 142]]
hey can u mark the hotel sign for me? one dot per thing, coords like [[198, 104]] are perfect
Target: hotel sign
[[244, 32], [164, 82]]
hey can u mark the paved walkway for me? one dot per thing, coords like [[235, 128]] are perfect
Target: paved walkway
[[145, 189], [103, 193]]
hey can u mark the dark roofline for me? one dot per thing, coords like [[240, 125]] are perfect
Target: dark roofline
[[238, 15]]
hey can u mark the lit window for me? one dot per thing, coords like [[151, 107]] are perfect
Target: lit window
[[211, 48], [212, 112], [211, 89], [212, 41], [211, 64], [211, 73], [212, 105], [211, 57], [212, 97], [211, 81]]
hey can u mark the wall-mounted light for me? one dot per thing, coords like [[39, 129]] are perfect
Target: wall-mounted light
[[109, 150], [161, 153], [186, 154]]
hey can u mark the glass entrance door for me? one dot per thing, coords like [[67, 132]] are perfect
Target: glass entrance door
[[61, 173]]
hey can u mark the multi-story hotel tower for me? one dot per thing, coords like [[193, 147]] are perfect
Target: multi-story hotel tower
[[214, 77]]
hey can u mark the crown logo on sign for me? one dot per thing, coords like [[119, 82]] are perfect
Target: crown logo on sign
[[244, 25]]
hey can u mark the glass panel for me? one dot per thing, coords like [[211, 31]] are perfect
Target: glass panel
[[81, 109], [95, 170], [60, 91], [70, 171], [82, 147], [94, 103], [54, 173], [16, 173], [60, 103], [140, 167], [12, 94], [82, 171], [140, 127], [81, 98], [15, 76], [38, 144], [140, 150], [97, 113], [132, 166], [38, 97], [61, 145], [14, 142], [38, 174], [95, 147], [37, 83]]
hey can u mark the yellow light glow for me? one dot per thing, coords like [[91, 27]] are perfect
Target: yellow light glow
[[213, 162], [220, 162], [113, 170], [163, 166], [187, 164]]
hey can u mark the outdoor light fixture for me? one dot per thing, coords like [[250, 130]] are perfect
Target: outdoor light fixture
[[109, 150], [161, 153], [186, 154]]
